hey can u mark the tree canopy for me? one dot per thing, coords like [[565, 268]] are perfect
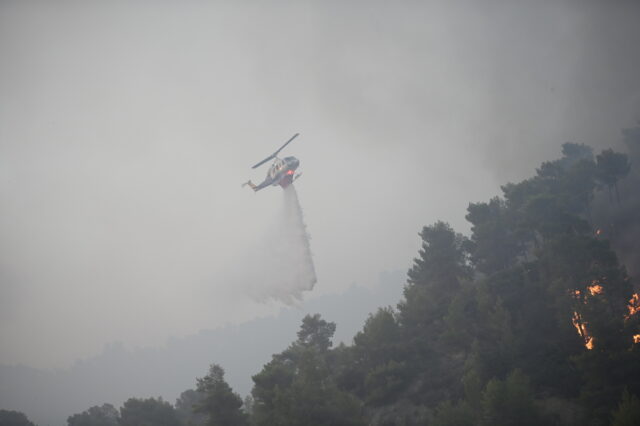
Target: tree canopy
[[104, 415], [220, 404]]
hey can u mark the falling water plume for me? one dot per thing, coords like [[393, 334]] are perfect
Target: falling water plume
[[285, 262]]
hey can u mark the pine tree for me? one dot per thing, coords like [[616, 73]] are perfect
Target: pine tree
[[219, 402]]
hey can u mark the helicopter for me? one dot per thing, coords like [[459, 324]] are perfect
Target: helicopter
[[281, 172]]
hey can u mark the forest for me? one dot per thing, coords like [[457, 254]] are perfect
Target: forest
[[532, 319]]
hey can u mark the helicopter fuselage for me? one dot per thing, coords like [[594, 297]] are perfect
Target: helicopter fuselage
[[282, 172]]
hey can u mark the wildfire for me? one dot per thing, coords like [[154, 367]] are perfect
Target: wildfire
[[582, 330], [633, 306], [595, 288]]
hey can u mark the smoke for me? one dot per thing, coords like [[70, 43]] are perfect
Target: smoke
[[281, 264]]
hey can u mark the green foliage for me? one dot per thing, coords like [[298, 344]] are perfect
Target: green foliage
[[434, 360], [472, 383], [434, 279], [611, 167], [105, 415], [495, 243], [442, 258], [14, 418], [575, 152], [297, 388], [384, 381], [316, 333], [186, 406], [459, 330], [577, 264], [148, 412], [509, 402], [219, 402], [606, 374], [449, 414], [379, 336], [628, 412], [557, 200], [375, 372]]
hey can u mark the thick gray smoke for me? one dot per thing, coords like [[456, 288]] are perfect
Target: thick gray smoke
[[284, 265]]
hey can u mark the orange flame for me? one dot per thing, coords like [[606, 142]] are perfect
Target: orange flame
[[582, 330], [595, 288], [633, 306]]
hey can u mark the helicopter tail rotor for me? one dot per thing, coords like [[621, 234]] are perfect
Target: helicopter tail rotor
[[251, 185]]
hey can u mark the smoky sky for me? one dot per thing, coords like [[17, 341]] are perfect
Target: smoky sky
[[126, 129]]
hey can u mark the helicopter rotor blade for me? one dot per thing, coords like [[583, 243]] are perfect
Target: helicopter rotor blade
[[286, 143], [276, 153], [264, 161]]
